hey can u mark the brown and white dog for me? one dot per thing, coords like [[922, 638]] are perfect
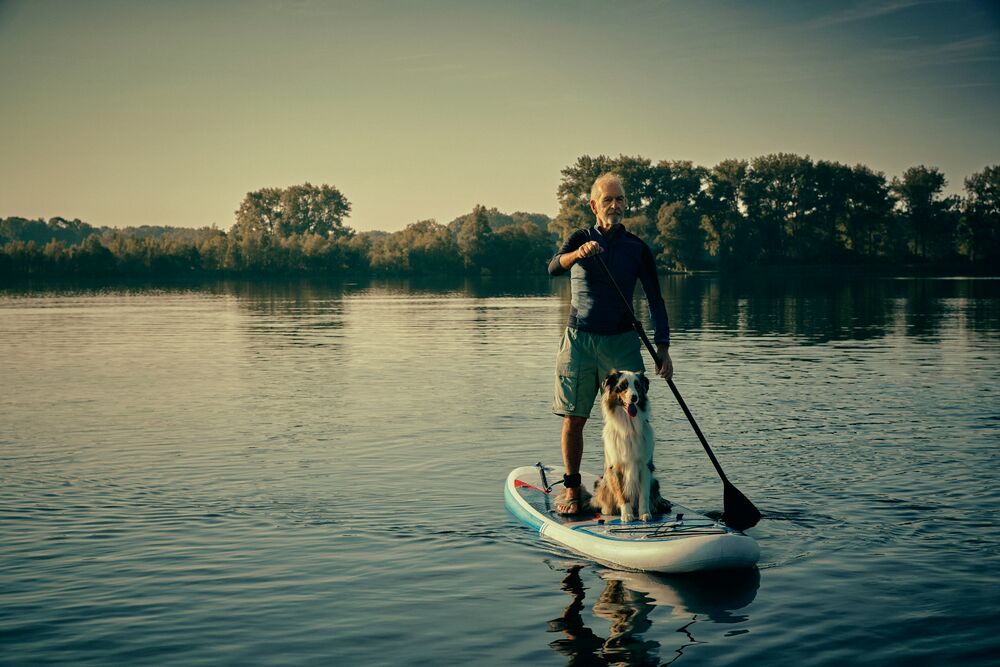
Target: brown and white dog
[[628, 485]]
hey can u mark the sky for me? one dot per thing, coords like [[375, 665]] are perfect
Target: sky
[[167, 112]]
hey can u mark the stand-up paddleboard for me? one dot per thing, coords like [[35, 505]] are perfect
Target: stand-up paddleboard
[[680, 541]]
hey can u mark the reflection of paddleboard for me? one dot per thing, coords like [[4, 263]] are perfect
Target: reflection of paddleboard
[[680, 541], [713, 596]]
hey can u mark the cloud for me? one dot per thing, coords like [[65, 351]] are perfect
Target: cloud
[[975, 48], [869, 10]]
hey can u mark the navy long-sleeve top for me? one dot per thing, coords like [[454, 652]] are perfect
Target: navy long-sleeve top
[[595, 305]]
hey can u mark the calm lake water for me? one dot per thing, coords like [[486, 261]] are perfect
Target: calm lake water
[[310, 473]]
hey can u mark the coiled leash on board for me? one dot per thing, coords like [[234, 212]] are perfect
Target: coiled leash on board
[[569, 481]]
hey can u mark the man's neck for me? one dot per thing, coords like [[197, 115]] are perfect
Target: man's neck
[[611, 232]]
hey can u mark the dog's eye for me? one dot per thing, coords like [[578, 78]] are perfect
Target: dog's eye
[[622, 386]]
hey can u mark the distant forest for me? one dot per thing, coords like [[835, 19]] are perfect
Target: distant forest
[[773, 210]]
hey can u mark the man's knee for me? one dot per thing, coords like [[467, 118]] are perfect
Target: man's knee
[[574, 424]]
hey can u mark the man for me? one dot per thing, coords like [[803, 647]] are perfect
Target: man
[[599, 335]]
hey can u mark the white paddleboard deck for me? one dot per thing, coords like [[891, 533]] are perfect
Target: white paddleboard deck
[[680, 541]]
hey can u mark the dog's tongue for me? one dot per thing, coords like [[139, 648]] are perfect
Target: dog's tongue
[[631, 410]]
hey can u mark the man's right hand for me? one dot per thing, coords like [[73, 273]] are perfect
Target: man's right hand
[[588, 249]]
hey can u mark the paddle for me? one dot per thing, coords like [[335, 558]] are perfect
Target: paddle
[[738, 512]]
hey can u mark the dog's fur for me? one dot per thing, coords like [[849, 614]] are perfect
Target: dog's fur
[[628, 485]]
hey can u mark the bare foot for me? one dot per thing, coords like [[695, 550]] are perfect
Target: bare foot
[[568, 501]]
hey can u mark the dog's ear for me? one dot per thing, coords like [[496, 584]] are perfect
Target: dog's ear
[[612, 379], [644, 380]]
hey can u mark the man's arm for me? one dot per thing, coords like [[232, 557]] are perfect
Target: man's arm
[[577, 247], [657, 312], [657, 308]]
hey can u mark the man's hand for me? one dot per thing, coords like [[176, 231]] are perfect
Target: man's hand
[[588, 249], [666, 368]]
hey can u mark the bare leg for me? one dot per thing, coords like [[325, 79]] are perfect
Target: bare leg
[[572, 452]]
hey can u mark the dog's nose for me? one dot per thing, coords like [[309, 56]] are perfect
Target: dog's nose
[[634, 398]]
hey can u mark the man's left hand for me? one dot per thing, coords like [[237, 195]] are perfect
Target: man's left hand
[[666, 368]]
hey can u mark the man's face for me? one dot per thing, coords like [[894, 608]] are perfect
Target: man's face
[[609, 207]]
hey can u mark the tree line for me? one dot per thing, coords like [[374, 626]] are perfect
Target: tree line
[[775, 209], [788, 209], [280, 231]]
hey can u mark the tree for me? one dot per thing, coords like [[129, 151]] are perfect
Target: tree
[[423, 247], [213, 252], [430, 248], [728, 235], [645, 228], [539, 220], [67, 232], [681, 235], [91, 258], [299, 209], [520, 249], [310, 209], [980, 227], [568, 221], [474, 239], [387, 255], [867, 226], [929, 218], [780, 197], [832, 188], [259, 213], [673, 181]]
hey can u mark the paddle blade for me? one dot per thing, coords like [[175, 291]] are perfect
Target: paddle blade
[[738, 512]]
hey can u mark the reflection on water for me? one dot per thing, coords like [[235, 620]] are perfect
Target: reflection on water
[[627, 613], [626, 603], [817, 310], [821, 310]]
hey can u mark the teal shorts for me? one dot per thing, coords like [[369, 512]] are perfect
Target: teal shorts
[[584, 360]]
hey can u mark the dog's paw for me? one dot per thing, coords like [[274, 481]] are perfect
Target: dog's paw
[[627, 517], [646, 517]]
